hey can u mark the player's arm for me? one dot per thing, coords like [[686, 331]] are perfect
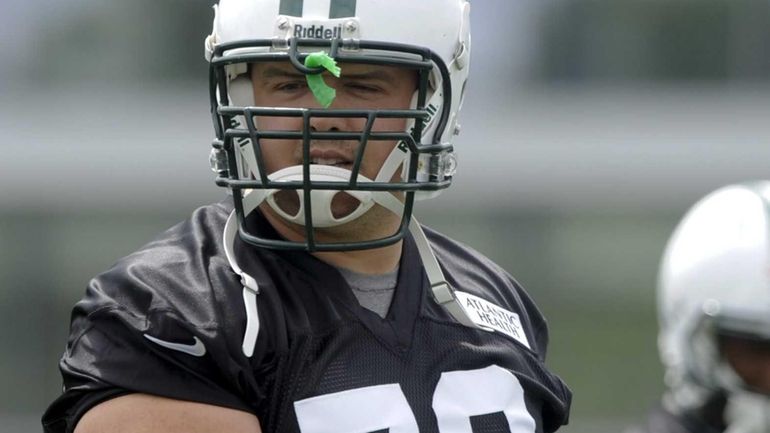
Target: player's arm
[[143, 413]]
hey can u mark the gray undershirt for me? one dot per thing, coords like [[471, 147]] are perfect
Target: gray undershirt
[[374, 292]]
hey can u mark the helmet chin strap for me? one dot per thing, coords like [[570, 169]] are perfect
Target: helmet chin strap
[[320, 200]]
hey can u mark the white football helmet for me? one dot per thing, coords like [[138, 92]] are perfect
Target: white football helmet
[[429, 36], [715, 280]]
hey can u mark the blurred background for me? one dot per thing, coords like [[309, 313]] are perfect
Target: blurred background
[[589, 128]]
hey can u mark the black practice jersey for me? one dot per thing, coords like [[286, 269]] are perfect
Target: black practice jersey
[[171, 319]]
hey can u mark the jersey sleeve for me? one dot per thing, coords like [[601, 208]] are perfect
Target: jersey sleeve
[[109, 354], [155, 324]]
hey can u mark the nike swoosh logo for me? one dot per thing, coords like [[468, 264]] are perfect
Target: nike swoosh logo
[[195, 349]]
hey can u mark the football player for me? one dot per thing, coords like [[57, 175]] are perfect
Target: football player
[[311, 300], [714, 308]]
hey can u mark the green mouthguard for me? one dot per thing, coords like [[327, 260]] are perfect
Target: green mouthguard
[[323, 93]]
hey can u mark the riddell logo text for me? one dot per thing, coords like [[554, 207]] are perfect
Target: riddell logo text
[[317, 31]]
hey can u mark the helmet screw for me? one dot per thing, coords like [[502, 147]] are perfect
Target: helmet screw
[[711, 307], [283, 23], [351, 26]]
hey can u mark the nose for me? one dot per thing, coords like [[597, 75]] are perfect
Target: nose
[[328, 124], [335, 124]]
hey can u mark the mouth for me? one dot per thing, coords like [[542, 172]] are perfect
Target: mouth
[[332, 162], [330, 157]]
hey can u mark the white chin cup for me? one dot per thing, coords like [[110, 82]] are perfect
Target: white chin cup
[[321, 200]]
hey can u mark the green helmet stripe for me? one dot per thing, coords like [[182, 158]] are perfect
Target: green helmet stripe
[[343, 8], [291, 7]]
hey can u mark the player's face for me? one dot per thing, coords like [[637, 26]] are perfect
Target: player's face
[[278, 84], [750, 359]]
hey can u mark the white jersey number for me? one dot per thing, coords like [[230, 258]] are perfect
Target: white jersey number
[[458, 396]]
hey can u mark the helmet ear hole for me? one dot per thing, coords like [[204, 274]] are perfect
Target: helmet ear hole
[[241, 91]]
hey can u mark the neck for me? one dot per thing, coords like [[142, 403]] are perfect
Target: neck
[[372, 261]]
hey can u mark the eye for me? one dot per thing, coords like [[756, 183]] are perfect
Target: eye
[[362, 87], [290, 86]]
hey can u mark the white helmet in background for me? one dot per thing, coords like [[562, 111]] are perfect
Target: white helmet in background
[[714, 283], [429, 36]]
